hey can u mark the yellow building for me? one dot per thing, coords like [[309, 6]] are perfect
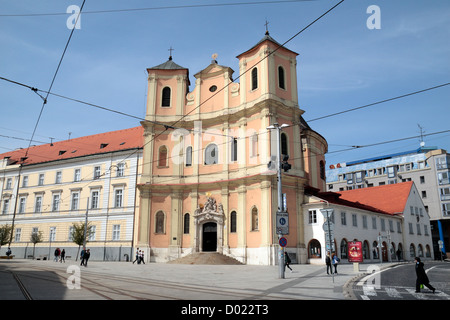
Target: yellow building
[[50, 187]]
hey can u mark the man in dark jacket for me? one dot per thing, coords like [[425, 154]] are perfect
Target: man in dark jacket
[[422, 277]]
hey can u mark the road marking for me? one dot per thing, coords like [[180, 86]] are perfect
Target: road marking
[[392, 292]]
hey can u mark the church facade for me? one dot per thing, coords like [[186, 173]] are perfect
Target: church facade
[[206, 184]]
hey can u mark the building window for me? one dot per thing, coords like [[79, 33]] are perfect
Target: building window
[[8, 184], [96, 172], [74, 203], [211, 154], [22, 204], [25, 182], [354, 220], [233, 221], [391, 172], [284, 144], [92, 233], [187, 219], [18, 234], [312, 219], [5, 206], [120, 171], [343, 219], [364, 218], [116, 232], [374, 223], [383, 224], [281, 79], [52, 233], [118, 198], [234, 149], [166, 92], [55, 202], [94, 199], [58, 177], [41, 179], [343, 248], [255, 219], [159, 225], [254, 146], [189, 156], [162, 156], [38, 204], [322, 169], [77, 175], [314, 249], [254, 78]]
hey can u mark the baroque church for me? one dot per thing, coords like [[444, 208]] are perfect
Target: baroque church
[[206, 185]]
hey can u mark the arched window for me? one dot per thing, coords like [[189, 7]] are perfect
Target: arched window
[[375, 250], [281, 80], [344, 249], [234, 149], [255, 219], [160, 222], [420, 250], [233, 221], [189, 156], [165, 101], [162, 156], [412, 251], [314, 249], [366, 250], [211, 154], [186, 223], [254, 78], [284, 144]]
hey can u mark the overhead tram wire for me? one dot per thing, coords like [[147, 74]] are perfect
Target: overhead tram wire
[[157, 8], [166, 127], [379, 102], [41, 111]]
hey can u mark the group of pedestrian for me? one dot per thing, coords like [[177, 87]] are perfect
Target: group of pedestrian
[[60, 255], [332, 262], [85, 255], [139, 256]]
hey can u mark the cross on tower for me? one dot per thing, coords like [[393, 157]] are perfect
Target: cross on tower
[[170, 52], [266, 24]]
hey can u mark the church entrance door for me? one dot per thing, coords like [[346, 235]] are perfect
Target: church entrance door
[[209, 237]]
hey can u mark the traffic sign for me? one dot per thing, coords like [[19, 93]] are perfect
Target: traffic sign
[[283, 242], [282, 222]]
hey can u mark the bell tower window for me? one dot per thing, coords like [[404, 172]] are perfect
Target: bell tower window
[[255, 78], [165, 101]]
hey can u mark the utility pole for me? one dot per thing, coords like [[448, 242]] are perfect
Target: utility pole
[[280, 199]]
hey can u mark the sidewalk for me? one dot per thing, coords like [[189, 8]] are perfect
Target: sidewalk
[[177, 281]]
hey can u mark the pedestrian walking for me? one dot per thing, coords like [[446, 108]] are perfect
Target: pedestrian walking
[[63, 256], [422, 277], [335, 262], [287, 261], [141, 256], [86, 257], [328, 262], [57, 253], [81, 256], [137, 256]]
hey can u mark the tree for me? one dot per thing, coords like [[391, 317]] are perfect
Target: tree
[[36, 237], [5, 234], [78, 234]]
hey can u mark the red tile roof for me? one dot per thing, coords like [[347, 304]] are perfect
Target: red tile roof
[[389, 198], [79, 147]]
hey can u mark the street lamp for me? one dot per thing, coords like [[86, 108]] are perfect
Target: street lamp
[[280, 195]]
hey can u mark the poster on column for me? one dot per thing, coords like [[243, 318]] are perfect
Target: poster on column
[[355, 253]]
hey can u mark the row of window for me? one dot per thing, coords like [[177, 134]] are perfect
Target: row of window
[[52, 233], [119, 172], [56, 201], [160, 219], [312, 219], [315, 250], [166, 93]]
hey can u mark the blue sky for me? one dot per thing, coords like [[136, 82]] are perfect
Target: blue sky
[[342, 64]]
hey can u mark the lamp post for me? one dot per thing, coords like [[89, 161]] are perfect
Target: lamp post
[[280, 196]]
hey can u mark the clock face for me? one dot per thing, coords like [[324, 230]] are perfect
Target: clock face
[[213, 88]]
